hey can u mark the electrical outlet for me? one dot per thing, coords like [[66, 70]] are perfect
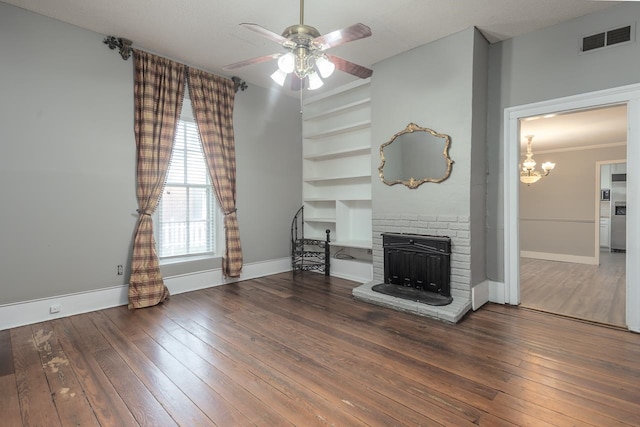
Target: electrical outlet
[[120, 270], [55, 308]]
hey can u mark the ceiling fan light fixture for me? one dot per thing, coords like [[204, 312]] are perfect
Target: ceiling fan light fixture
[[305, 55], [325, 67], [315, 81], [287, 62], [279, 76]]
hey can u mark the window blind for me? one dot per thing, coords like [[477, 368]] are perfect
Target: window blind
[[186, 209]]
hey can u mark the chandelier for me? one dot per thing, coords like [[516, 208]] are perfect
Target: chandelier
[[529, 174]]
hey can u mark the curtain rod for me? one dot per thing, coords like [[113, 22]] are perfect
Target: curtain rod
[[124, 48]]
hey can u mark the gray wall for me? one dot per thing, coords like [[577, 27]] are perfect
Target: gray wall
[[67, 162], [545, 65], [557, 214], [268, 134], [431, 86], [442, 86], [478, 193]]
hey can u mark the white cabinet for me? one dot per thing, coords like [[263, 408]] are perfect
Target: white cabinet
[[605, 241], [619, 168], [336, 166], [605, 177]]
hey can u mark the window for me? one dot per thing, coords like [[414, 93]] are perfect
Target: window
[[186, 212]]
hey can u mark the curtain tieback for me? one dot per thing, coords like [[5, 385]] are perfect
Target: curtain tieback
[[230, 211], [143, 212]]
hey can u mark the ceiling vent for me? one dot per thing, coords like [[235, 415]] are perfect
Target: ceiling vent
[[607, 38]]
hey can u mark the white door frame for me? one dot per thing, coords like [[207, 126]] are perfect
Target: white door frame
[[511, 149]]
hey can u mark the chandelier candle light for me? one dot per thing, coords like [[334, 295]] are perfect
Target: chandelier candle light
[[529, 175]]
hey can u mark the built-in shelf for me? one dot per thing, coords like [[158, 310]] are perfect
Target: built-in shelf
[[318, 199], [338, 110], [355, 85], [341, 129], [345, 152], [336, 178], [337, 162], [306, 219], [341, 199], [361, 244]]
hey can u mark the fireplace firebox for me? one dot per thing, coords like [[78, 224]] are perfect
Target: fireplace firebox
[[417, 268]]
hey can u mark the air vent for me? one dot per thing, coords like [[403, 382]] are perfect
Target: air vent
[[606, 38], [619, 35], [595, 41]]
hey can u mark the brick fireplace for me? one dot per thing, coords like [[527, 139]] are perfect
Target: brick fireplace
[[457, 228]]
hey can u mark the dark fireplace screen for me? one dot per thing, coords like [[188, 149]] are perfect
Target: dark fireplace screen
[[417, 268]]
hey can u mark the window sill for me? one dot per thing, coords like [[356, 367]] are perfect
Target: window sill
[[186, 259]]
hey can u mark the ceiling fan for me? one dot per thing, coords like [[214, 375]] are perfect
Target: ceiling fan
[[305, 58]]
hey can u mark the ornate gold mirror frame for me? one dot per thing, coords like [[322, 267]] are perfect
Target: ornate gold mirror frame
[[426, 153]]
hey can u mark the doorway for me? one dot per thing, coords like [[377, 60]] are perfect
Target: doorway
[[511, 292], [560, 268]]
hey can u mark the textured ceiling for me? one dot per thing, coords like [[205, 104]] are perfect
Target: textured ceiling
[[206, 34]]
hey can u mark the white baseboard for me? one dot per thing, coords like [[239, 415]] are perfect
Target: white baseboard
[[559, 257], [496, 292], [480, 295], [358, 271], [28, 312]]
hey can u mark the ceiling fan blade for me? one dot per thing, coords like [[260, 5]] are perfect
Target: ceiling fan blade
[[345, 35], [252, 61], [350, 67], [264, 32]]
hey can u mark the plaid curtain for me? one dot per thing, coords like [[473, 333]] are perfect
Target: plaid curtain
[[212, 98], [158, 90]]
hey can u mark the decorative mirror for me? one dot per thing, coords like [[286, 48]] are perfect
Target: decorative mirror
[[414, 156]]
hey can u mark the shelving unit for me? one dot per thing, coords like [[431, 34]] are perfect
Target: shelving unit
[[337, 165], [344, 152]]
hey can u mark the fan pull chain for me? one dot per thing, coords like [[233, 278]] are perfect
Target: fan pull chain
[[301, 104]]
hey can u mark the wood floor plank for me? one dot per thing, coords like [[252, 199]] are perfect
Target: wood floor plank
[[202, 390], [361, 374], [36, 404], [6, 354], [107, 405], [584, 411], [291, 384], [205, 368], [69, 398], [161, 384], [300, 350], [436, 351], [310, 347], [143, 406], [9, 402]]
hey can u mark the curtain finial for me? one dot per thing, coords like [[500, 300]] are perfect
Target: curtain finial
[[239, 83], [123, 45]]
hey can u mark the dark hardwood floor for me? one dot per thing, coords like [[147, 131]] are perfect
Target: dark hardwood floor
[[280, 352]]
